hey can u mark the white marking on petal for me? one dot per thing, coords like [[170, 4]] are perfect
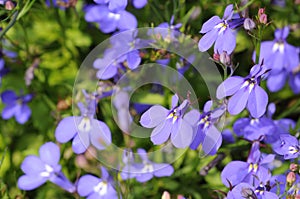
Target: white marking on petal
[[278, 46], [101, 188], [85, 125], [48, 171]]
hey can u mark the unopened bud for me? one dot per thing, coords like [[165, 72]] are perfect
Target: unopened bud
[[263, 19], [291, 178], [216, 57], [166, 195], [249, 24], [293, 167], [261, 11], [297, 197], [81, 161], [225, 58], [9, 5]]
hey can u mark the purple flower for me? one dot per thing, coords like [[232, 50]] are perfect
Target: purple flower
[[245, 92], [238, 171], [16, 106], [109, 21], [121, 103], [221, 32], [138, 4], [278, 54], [93, 187], [167, 30], [207, 134], [288, 146], [146, 170], [40, 169], [114, 5], [168, 123], [84, 129], [245, 190], [282, 58]]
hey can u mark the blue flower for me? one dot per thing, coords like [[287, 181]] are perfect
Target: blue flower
[[168, 123], [207, 134], [84, 129], [113, 5], [146, 170], [109, 21], [220, 31], [282, 58], [16, 106], [288, 146], [40, 169], [138, 4], [237, 172], [245, 92], [93, 187]]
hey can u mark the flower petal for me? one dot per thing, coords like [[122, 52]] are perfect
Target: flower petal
[[86, 185], [50, 153], [8, 97], [23, 114], [133, 59], [66, 129], [100, 135], [238, 101], [234, 172], [161, 133], [77, 145], [210, 24], [207, 40], [212, 141], [228, 12], [183, 137], [32, 165], [258, 101], [277, 81], [230, 86], [127, 21], [161, 170], [27, 182], [154, 116]]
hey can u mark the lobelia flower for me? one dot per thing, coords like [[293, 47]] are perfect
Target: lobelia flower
[[281, 57], [138, 4], [221, 32], [207, 134], [92, 187], [263, 128], [146, 170], [113, 5], [16, 106], [109, 21], [238, 171], [245, 91], [38, 170], [169, 123], [259, 189], [84, 129], [167, 30], [288, 146]]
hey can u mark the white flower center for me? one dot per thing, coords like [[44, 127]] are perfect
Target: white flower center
[[148, 168], [85, 125], [222, 27], [101, 188], [114, 16], [278, 46], [48, 171]]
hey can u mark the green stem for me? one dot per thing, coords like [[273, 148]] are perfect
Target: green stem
[[10, 24], [257, 46]]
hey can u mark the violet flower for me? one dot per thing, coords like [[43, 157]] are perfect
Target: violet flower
[[138, 4], [113, 5], [146, 170], [221, 32], [16, 106], [38, 170], [282, 58], [169, 123], [238, 171], [288, 146], [207, 134], [84, 129], [93, 187], [109, 21], [245, 92]]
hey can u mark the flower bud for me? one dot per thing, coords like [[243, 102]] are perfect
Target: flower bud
[[249, 24], [293, 167], [166, 195], [216, 57], [9, 5], [225, 58], [291, 178], [297, 196], [263, 19]]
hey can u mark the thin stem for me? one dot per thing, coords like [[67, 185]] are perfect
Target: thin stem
[[10, 24]]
